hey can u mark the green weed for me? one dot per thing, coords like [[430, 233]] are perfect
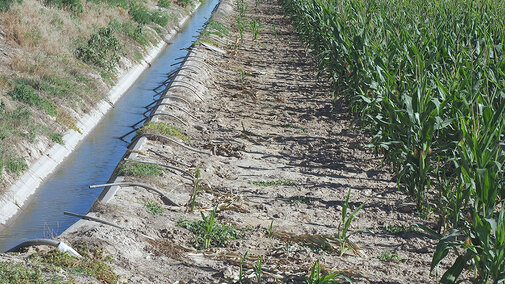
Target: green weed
[[216, 27], [184, 3], [6, 4], [56, 137], [73, 5], [139, 169], [94, 262], [102, 49], [390, 256], [164, 4], [293, 126], [163, 129], [208, 232], [26, 94], [400, 229], [15, 165], [12, 272], [153, 208]]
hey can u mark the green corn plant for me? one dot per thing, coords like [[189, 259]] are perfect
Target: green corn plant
[[196, 188], [241, 267], [270, 230], [343, 233], [258, 270], [317, 277], [255, 26], [209, 226]]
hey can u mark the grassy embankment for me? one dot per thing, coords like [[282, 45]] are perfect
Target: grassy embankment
[[59, 58], [427, 80]]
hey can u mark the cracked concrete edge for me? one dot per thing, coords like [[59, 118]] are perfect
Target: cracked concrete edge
[[14, 198]]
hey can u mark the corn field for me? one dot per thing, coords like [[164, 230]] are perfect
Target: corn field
[[427, 80]]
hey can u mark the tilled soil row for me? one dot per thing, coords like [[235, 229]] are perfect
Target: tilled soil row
[[276, 158]]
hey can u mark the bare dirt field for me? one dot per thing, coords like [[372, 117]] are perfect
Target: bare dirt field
[[276, 157]]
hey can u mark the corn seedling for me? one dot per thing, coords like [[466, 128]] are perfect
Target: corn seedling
[[209, 226], [255, 26], [241, 269], [317, 277], [242, 77], [270, 230], [343, 233], [196, 188], [258, 270]]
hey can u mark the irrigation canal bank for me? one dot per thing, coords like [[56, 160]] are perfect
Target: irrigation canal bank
[[96, 157]]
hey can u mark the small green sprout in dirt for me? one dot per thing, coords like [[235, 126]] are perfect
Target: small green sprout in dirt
[[242, 7], [298, 199], [270, 230], [94, 262], [241, 269], [258, 270], [293, 126], [243, 76], [318, 277], [163, 129], [196, 188], [343, 234], [274, 182], [139, 169], [390, 256], [208, 232], [255, 26], [400, 229], [153, 208]]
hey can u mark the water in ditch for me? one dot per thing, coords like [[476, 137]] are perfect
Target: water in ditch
[[97, 156]]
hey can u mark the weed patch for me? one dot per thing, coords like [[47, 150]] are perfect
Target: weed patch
[[6, 4], [217, 237], [153, 208], [11, 272], [390, 256], [102, 49], [164, 4], [139, 169], [400, 230], [293, 126], [163, 129], [75, 6], [216, 27], [26, 94], [94, 262], [184, 3]]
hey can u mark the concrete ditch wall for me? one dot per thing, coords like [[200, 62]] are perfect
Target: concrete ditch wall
[[13, 200]]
